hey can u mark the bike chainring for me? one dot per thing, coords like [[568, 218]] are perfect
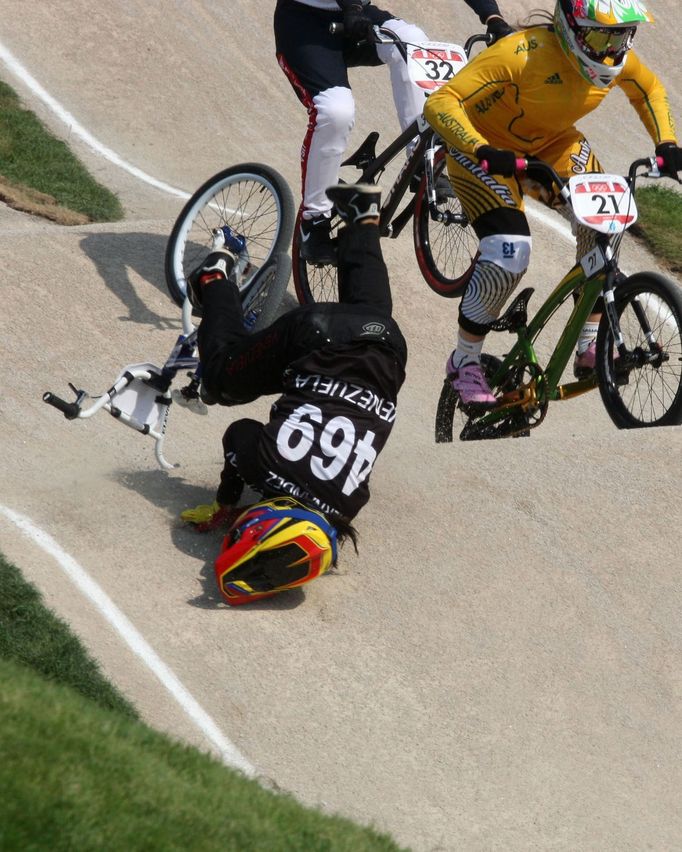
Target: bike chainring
[[514, 420]]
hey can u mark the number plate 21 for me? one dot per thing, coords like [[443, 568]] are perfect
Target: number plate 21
[[603, 202]]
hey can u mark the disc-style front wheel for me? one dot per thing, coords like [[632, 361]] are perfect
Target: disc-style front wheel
[[446, 250], [644, 388], [252, 199]]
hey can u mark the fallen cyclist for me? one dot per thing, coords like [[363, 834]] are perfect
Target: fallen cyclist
[[338, 368]]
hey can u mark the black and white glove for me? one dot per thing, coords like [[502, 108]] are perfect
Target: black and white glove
[[356, 25], [671, 154], [498, 28], [500, 161]]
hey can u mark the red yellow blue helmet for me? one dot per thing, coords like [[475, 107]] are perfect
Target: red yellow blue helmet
[[597, 34], [274, 545]]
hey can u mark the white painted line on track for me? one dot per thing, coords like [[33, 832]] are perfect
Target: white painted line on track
[[229, 753], [76, 128]]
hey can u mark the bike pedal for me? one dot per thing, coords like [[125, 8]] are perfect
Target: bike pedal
[[193, 403]]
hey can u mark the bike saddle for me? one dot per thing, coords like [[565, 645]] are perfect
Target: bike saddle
[[365, 154], [516, 315]]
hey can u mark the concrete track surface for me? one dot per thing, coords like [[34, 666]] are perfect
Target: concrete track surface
[[500, 666]]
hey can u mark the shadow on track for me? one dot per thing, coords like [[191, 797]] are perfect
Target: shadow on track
[[119, 258]]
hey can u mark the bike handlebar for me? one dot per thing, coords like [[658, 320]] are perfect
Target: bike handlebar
[[70, 410], [522, 165], [385, 36]]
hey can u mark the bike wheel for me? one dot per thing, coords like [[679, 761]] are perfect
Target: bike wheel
[[446, 251], [314, 282], [645, 390], [253, 199]]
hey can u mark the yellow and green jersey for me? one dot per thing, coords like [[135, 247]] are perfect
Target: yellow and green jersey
[[523, 93]]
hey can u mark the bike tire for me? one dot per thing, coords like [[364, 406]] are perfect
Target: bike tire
[[644, 393], [314, 282], [446, 253], [253, 199]]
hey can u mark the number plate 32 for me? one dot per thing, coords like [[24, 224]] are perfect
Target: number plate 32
[[603, 202], [434, 63]]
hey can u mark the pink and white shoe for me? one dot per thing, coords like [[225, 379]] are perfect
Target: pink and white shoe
[[470, 385]]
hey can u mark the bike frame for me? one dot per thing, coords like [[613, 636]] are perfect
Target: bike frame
[[426, 146], [422, 157], [546, 387]]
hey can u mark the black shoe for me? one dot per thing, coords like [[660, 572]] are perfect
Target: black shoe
[[219, 265], [316, 242], [355, 202]]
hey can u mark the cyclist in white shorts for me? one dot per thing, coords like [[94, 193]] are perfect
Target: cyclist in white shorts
[[316, 63]]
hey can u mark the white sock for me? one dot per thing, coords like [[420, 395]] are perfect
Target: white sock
[[587, 335], [467, 352]]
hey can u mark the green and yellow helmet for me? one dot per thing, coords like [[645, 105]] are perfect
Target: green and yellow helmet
[[597, 34]]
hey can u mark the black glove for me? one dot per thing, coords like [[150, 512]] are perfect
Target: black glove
[[356, 25], [498, 28], [500, 161], [672, 159]]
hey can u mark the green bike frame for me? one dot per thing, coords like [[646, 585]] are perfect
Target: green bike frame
[[522, 356]]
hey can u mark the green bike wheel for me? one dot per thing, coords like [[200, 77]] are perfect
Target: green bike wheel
[[645, 388]]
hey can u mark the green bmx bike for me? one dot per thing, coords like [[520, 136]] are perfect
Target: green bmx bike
[[639, 342]]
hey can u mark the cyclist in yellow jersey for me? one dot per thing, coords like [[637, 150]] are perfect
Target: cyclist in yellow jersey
[[521, 97]]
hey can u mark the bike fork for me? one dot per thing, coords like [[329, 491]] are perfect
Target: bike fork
[[614, 322]]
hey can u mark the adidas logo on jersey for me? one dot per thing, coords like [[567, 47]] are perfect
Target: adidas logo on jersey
[[554, 78]]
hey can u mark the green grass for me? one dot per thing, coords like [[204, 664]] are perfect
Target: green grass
[[30, 156], [78, 770], [32, 635], [660, 223]]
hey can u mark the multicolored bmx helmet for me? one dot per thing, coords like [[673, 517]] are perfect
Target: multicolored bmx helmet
[[273, 546], [597, 34]]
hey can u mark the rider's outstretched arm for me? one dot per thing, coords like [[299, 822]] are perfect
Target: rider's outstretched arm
[[648, 96]]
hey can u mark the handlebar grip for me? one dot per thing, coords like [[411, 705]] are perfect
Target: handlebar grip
[[521, 165], [70, 410]]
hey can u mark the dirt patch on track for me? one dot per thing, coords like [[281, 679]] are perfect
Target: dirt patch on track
[[28, 200]]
